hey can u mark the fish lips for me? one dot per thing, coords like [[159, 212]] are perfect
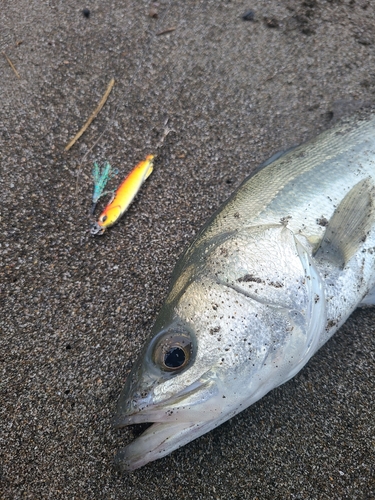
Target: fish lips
[[175, 422], [147, 412], [156, 442]]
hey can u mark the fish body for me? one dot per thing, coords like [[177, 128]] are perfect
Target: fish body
[[124, 195], [266, 282]]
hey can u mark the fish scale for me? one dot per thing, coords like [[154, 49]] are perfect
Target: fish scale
[[268, 185]]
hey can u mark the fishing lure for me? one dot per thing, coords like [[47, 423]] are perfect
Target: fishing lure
[[100, 177], [124, 195]]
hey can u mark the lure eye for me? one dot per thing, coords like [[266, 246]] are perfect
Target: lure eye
[[104, 218], [172, 352]]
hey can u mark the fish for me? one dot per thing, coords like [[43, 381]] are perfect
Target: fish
[[266, 282], [123, 196]]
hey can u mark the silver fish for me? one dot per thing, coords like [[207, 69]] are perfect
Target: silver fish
[[267, 281]]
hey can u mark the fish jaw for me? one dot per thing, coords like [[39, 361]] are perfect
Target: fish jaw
[[182, 418], [175, 422], [158, 441]]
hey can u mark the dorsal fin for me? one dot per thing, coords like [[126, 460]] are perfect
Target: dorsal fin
[[349, 225]]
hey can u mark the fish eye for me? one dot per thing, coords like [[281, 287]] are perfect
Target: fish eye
[[172, 352], [174, 358]]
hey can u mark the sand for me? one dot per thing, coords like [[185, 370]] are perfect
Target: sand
[[75, 310]]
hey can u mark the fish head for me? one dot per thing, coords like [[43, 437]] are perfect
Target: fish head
[[165, 388], [233, 327]]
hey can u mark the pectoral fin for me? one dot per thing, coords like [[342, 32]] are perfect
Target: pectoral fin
[[349, 225]]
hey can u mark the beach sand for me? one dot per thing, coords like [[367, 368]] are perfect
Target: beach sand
[[75, 310]]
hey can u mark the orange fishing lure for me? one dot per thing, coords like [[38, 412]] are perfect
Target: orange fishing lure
[[124, 195]]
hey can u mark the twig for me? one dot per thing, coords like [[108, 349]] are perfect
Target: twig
[[11, 65], [93, 116], [167, 30]]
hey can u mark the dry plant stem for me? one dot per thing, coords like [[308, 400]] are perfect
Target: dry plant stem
[[93, 116], [167, 30], [11, 65]]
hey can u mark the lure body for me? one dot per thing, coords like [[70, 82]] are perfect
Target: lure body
[[124, 195]]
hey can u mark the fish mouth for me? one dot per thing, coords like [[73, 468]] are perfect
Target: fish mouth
[[158, 440], [174, 423]]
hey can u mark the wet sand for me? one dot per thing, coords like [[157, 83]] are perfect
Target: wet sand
[[75, 310]]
